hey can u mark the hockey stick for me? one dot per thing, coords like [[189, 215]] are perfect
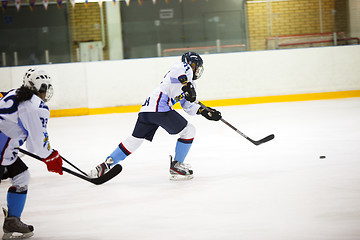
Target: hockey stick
[[261, 141], [27, 153], [68, 162], [74, 166], [97, 181]]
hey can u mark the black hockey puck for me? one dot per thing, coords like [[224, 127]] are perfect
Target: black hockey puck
[[322, 157]]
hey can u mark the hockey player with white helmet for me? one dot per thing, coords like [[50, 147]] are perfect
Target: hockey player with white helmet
[[157, 111], [23, 118]]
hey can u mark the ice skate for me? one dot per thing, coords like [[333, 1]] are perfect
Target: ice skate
[[180, 171], [14, 228], [101, 169]]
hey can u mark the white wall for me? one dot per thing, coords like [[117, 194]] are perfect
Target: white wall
[[231, 75]]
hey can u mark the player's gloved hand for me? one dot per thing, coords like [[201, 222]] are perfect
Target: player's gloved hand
[[210, 113], [54, 162], [189, 91]]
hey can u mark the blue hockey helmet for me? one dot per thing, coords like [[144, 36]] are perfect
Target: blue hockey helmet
[[195, 61]]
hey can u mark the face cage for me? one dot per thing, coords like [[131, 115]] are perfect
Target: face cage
[[49, 91], [199, 71]]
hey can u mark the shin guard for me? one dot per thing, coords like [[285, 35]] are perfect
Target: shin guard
[[16, 201], [182, 148]]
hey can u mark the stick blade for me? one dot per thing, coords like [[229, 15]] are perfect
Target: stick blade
[[100, 180], [264, 140], [114, 171]]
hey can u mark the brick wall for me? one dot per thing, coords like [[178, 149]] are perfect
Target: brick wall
[[274, 18], [265, 18], [85, 25]]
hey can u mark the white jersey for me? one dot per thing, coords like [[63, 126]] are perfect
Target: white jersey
[[169, 91], [20, 122]]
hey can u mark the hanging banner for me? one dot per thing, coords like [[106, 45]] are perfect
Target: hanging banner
[[4, 5], [31, 4], [127, 2], [114, 2], [100, 3], [86, 3], [46, 4], [140, 2], [18, 4], [72, 3], [154, 1], [59, 3]]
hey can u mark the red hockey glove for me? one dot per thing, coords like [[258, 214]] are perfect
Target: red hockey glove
[[54, 162]]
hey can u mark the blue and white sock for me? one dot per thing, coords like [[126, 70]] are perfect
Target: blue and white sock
[[119, 154], [182, 148]]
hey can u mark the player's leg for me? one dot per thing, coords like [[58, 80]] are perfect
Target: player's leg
[[184, 143], [178, 169], [16, 198], [174, 123], [123, 150], [143, 130]]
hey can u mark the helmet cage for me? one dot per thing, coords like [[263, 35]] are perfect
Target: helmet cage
[[198, 72], [49, 91], [196, 62]]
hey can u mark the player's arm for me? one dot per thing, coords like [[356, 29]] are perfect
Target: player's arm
[[189, 105], [38, 141], [187, 88], [189, 92]]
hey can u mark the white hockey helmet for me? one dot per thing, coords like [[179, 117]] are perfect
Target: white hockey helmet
[[38, 81]]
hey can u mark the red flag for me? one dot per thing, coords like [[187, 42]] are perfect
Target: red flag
[[31, 4], [59, 3], [4, 5]]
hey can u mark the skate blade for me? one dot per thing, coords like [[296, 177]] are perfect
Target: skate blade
[[178, 177], [17, 235]]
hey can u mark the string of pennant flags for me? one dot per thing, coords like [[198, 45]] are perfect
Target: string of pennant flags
[[31, 3]]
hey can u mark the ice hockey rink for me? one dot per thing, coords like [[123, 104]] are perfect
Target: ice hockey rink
[[280, 190]]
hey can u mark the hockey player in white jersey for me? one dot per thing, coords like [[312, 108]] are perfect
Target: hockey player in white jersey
[[177, 86], [23, 118]]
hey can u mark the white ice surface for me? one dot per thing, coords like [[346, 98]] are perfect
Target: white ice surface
[[280, 190]]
